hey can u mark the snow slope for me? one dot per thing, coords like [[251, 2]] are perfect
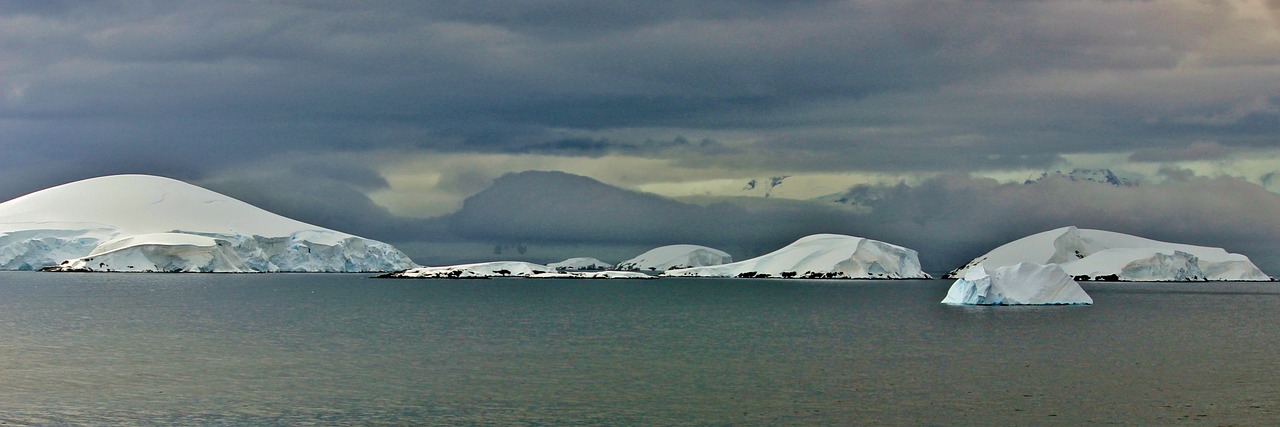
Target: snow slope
[[1099, 255], [474, 271], [149, 223], [676, 257], [1020, 284], [484, 270], [583, 263], [822, 256], [610, 274]]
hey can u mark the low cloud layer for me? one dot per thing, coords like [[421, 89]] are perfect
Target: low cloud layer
[[949, 219]]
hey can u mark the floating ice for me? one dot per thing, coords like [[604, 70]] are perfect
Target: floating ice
[[1020, 284]]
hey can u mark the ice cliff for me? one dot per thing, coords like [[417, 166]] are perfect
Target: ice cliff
[[1104, 255], [822, 256], [1019, 284], [141, 223]]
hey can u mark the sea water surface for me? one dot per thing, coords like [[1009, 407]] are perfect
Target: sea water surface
[[326, 349]]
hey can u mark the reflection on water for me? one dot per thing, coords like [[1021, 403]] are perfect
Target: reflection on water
[[342, 349]]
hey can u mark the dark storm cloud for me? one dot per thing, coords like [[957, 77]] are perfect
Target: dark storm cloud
[[1199, 150], [588, 147], [89, 77]]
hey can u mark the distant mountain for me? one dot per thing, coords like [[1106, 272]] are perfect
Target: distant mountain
[[542, 206], [141, 223], [1104, 176]]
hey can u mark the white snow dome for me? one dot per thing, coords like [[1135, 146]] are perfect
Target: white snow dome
[[1105, 255], [141, 223], [1024, 283], [674, 257], [821, 256]]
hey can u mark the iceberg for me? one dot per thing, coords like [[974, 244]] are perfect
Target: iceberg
[[144, 223], [1019, 284], [1104, 255], [821, 256], [674, 257]]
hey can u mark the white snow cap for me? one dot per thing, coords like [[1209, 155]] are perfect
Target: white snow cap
[[1020, 284], [581, 263], [675, 257], [822, 256], [1101, 255], [151, 223]]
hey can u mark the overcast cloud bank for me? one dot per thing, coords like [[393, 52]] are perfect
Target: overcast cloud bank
[[376, 117]]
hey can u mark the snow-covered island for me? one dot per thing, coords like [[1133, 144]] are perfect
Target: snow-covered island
[[821, 256], [674, 257], [144, 223], [1088, 254], [1019, 284], [485, 270], [580, 264]]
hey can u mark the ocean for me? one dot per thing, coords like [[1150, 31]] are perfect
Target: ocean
[[343, 349]]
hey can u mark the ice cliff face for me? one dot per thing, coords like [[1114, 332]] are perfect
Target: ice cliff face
[[821, 256], [675, 257], [143, 223], [1019, 284], [1104, 255]]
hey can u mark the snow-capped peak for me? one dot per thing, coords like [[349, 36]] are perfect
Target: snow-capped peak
[[1103, 176]]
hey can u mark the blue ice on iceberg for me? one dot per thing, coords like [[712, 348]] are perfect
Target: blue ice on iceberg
[[1024, 283]]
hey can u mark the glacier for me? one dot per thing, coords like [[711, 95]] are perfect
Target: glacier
[[821, 256], [1024, 283], [1087, 254], [672, 257], [145, 223]]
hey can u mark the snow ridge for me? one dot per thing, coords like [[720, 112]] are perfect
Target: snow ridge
[[1104, 255], [674, 257], [485, 270], [821, 256]]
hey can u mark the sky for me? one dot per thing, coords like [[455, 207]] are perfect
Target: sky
[[735, 124]]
